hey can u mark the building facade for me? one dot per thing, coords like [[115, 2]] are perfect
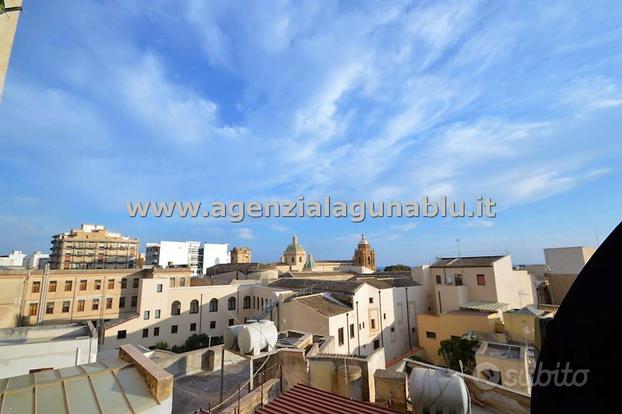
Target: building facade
[[212, 254], [241, 255], [93, 247], [8, 27], [174, 254], [36, 260], [13, 259], [364, 255], [294, 255]]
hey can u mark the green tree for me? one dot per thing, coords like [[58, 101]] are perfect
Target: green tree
[[455, 350], [160, 345], [397, 268], [196, 341]]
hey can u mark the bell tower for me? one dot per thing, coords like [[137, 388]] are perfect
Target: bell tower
[[364, 255]]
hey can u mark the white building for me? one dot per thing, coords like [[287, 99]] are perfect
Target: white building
[[36, 260], [172, 253], [15, 258], [213, 254], [30, 349], [567, 260]]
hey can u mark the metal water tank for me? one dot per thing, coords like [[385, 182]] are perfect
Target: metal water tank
[[231, 337], [438, 391]]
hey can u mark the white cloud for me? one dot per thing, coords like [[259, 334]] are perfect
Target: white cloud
[[244, 233]]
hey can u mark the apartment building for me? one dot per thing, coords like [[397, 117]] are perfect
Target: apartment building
[[212, 254], [174, 254], [171, 313], [13, 259], [362, 315], [93, 247], [36, 260], [61, 296]]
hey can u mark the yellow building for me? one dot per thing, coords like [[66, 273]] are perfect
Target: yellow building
[[503, 364], [93, 247], [241, 255], [60, 296]]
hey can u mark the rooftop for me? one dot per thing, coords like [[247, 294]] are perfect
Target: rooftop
[[46, 333], [317, 286], [474, 261], [115, 386], [323, 304], [501, 350], [303, 399], [484, 306]]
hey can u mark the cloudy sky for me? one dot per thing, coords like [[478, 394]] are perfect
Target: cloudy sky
[[107, 102]]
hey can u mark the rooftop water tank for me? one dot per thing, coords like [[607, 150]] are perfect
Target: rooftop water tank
[[251, 338], [438, 391]]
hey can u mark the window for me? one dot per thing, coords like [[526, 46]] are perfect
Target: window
[[134, 301], [145, 332], [182, 282], [121, 334], [95, 305], [340, 335], [175, 308], [123, 283], [213, 305], [174, 329], [212, 324], [159, 288], [231, 322], [193, 327], [83, 285], [146, 315], [110, 283], [431, 335], [108, 303], [351, 330], [384, 316], [81, 304], [68, 285], [247, 302], [459, 280], [171, 282], [194, 306], [481, 280], [371, 300], [122, 302], [157, 314], [376, 343], [135, 283], [52, 287], [261, 303], [372, 322], [254, 305], [66, 305], [438, 279], [156, 331], [98, 284], [231, 303], [32, 309], [49, 307], [36, 287]]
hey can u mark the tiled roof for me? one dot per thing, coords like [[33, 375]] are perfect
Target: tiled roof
[[483, 306], [303, 399], [476, 261], [323, 305], [387, 283], [318, 286]]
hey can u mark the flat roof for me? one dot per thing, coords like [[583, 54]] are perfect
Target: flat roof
[[473, 261], [45, 333]]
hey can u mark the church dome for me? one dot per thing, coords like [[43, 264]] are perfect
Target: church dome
[[294, 246], [310, 264]]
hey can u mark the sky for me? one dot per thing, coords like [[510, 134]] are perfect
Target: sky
[[521, 101]]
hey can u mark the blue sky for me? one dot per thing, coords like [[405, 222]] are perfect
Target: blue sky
[[107, 102]]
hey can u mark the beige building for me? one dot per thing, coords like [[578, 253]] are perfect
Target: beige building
[[294, 255], [451, 283], [241, 255], [362, 315], [8, 26], [364, 255], [93, 247], [37, 348], [434, 329], [61, 296], [564, 265], [520, 324]]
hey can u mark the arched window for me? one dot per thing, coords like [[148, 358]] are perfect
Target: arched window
[[175, 308], [194, 306], [231, 303], [247, 302], [299, 259], [261, 303], [213, 305], [254, 300]]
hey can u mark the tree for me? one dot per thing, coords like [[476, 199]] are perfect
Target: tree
[[196, 342], [160, 345], [397, 268], [455, 350]]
